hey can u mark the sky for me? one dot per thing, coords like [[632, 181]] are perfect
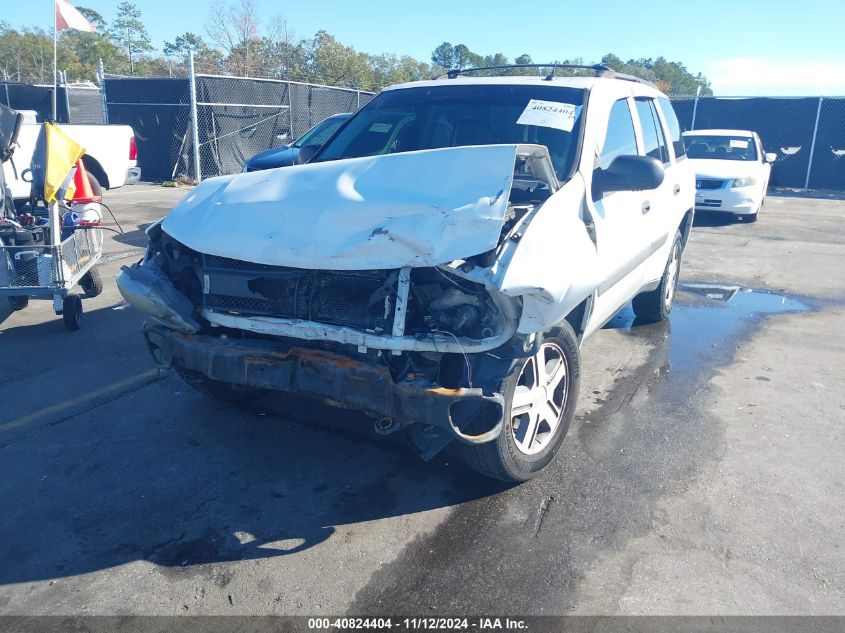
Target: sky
[[745, 47]]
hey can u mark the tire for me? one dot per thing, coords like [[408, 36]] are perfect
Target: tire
[[72, 312], [656, 304], [514, 456], [92, 283], [18, 303], [218, 389]]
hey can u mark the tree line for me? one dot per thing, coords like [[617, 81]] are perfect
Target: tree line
[[238, 42]]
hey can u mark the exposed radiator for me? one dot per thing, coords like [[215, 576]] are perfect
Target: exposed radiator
[[347, 298]]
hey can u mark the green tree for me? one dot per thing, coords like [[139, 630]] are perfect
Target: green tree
[[390, 69], [27, 55], [465, 58], [670, 77], [328, 61], [129, 33], [89, 48], [206, 58], [444, 56], [525, 58], [95, 18]]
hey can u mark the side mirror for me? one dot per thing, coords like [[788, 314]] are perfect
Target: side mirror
[[627, 173], [770, 157], [306, 153]]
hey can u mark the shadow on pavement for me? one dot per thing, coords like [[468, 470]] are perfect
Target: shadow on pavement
[[713, 218], [98, 469], [136, 237]]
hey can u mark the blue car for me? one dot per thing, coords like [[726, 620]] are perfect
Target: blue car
[[286, 155]]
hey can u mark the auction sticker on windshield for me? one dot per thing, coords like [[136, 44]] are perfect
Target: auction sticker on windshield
[[560, 116]]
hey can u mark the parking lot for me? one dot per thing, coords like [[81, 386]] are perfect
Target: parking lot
[[703, 473]]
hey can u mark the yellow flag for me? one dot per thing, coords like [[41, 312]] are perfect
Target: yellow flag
[[62, 154]]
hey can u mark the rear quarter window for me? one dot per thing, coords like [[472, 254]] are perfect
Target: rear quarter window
[[674, 127], [655, 142]]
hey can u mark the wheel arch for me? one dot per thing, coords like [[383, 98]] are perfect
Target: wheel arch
[[685, 227], [96, 169], [579, 316]]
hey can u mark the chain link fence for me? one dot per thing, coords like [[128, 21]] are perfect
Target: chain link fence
[[75, 103], [237, 117], [201, 126], [806, 133], [159, 112]]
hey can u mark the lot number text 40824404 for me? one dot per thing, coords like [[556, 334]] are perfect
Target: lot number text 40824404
[[416, 624]]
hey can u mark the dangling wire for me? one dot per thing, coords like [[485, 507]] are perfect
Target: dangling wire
[[466, 357]]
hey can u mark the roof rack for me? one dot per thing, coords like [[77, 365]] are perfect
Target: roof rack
[[599, 70]]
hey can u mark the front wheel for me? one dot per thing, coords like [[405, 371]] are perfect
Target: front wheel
[[72, 312], [656, 304], [541, 393]]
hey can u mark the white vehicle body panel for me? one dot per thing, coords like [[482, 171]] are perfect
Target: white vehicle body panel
[[633, 245], [554, 265], [408, 209], [106, 144]]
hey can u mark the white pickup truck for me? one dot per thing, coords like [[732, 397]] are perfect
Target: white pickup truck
[[110, 155]]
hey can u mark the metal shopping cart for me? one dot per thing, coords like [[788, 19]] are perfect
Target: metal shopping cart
[[39, 270], [40, 258]]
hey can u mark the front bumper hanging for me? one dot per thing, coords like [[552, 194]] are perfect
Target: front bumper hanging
[[325, 375]]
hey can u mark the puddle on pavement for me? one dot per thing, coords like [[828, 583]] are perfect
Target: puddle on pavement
[[706, 317]]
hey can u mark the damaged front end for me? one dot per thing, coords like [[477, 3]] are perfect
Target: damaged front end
[[413, 346]]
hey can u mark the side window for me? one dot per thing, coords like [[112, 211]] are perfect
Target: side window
[[661, 137], [621, 139], [655, 145], [674, 127]]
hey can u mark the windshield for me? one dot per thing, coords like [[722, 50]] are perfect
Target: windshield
[[721, 147], [450, 116], [321, 132]]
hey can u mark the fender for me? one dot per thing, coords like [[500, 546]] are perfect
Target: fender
[[554, 265]]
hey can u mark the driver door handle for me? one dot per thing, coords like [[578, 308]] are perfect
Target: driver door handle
[[646, 207], [677, 189]]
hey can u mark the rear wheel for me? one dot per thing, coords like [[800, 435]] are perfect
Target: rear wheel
[[541, 393], [656, 305], [92, 283], [18, 303], [217, 389]]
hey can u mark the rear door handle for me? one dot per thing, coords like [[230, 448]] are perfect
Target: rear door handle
[[646, 207], [677, 189]]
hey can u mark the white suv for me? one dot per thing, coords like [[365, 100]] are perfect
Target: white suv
[[436, 264]]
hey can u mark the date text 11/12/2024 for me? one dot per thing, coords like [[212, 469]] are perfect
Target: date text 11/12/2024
[[418, 624]]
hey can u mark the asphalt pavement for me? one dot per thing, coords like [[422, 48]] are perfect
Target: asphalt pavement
[[703, 473]]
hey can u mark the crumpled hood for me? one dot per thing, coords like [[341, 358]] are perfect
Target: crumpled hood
[[409, 209]]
